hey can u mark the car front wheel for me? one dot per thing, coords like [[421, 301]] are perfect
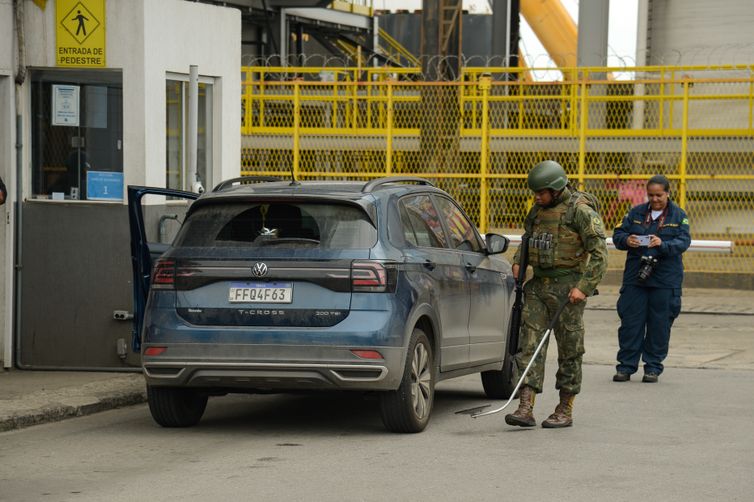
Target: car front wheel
[[407, 409], [176, 407]]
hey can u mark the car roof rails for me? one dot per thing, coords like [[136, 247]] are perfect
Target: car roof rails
[[244, 180], [373, 185]]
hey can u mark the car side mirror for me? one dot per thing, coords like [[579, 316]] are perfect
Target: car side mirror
[[496, 243]]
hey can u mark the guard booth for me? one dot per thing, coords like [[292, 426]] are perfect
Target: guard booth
[[104, 104]]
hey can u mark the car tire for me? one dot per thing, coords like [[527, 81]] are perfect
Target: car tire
[[175, 407], [499, 384], [408, 408]]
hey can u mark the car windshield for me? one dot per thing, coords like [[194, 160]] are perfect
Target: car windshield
[[281, 224]]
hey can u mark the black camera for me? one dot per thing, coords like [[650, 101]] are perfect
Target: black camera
[[647, 265]]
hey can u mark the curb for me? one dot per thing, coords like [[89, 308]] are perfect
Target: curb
[[55, 413], [691, 310], [45, 406]]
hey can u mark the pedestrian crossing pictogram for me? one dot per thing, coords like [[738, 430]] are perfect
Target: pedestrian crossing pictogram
[[80, 22]]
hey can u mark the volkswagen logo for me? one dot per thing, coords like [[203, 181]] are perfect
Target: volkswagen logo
[[259, 269]]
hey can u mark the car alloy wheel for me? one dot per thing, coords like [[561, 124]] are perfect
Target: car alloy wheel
[[421, 381], [407, 409]]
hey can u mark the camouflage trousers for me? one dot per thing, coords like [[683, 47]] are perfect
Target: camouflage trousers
[[542, 297]]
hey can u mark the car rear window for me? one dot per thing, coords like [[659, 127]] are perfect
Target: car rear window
[[281, 224]]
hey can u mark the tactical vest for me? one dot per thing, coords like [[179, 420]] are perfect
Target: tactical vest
[[553, 243]]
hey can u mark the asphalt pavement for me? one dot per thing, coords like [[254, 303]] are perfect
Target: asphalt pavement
[[35, 397]]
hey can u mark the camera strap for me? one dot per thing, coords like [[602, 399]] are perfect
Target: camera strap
[[660, 220]]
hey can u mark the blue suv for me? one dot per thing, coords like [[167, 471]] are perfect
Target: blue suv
[[275, 286]]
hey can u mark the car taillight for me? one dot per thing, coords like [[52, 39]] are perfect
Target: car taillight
[[372, 276], [154, 351], [367, 354], [163, 275]]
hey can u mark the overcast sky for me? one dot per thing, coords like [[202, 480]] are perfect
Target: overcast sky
[[621, 35]]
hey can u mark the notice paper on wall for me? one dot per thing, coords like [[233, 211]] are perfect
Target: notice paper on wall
[[65, 105]]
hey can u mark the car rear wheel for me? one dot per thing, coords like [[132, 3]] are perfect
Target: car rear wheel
[[175, 407], [499, 384], [407, 409]]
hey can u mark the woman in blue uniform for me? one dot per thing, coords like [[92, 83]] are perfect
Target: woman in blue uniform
[[655, 234]]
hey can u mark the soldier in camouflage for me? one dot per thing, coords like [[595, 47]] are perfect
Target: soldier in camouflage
[[568, 254]]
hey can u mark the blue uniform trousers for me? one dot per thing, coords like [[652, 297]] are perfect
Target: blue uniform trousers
[[646, 315]]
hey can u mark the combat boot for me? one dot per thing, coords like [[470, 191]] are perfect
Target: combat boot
[[524, 415], [563, 415]]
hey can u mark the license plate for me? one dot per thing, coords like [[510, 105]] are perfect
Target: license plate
[[261, 292]]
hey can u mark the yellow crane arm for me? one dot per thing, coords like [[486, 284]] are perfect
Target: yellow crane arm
[[555, 28]]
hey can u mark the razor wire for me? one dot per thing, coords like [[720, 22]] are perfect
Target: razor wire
[[542, 67]]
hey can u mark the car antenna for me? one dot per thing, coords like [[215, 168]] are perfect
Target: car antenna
[[293, 179]]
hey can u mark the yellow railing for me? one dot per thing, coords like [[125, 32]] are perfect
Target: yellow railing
[[478, 137], [395, 50], [363, 7]]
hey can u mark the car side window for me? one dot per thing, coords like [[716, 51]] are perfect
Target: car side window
[[421, 223], [462, 235]]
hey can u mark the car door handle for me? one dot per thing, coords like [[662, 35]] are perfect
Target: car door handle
[[471, 268], [429, 264]]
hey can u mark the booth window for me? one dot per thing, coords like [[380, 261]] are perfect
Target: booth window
[[77, 135], [177, 173]]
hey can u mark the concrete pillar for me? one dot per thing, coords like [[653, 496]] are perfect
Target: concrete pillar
[[642, 46], [592, 39], [284, 36], [592, 51], [501, 15]]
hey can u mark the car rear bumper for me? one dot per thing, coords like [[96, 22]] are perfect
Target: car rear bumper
[[273, 368]]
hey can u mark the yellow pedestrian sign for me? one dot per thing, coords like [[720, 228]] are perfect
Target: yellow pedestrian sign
[[80, 33]]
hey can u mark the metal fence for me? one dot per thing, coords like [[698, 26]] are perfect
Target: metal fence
[[478, 137]]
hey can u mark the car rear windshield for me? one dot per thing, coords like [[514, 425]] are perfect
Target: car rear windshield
[[281, 224]]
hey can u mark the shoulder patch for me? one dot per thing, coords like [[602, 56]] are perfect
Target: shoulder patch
[[597, 227], [685, 221]]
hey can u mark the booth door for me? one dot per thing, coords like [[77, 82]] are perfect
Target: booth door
[[74, 263]]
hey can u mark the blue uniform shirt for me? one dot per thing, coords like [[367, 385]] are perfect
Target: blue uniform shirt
[[674, 232]]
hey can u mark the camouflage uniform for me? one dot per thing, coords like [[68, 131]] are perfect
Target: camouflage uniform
[[563, 257]]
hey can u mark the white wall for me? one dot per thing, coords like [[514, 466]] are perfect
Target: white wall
[[209, 37], [7, 165], [7, 36], [125, 50], [700, 32]]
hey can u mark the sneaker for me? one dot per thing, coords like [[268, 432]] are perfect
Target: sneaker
[[621, 377], [650, 377]]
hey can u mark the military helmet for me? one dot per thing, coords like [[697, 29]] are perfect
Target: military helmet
[[547, 174]]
